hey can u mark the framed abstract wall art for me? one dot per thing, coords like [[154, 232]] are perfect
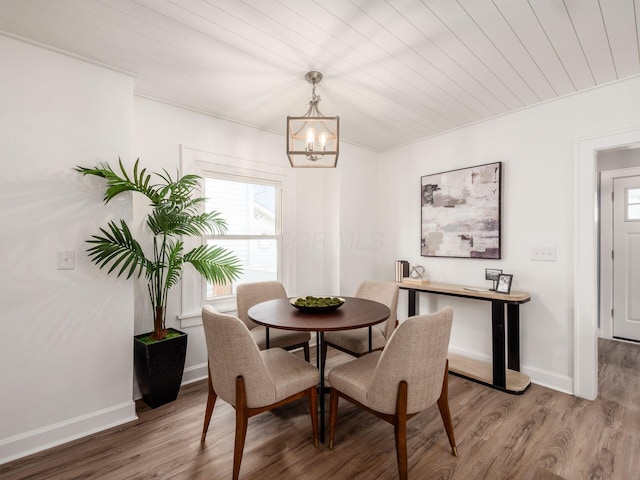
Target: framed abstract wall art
[[461, 212]]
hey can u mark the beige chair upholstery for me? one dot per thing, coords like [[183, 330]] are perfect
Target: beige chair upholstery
[[409, 375], [356, 342], [250, 294], [252, 381]]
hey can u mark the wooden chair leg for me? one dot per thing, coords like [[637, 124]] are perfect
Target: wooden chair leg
[[211, 402], [401, 430], [445, 413], [333, 415], [307, 355], [242, 419], [313, 411]]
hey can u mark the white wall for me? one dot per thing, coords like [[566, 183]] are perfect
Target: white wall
[[537, 148], [66, 359], [361, 230]]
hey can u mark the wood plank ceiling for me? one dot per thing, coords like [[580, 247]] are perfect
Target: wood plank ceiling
[[396, 71]]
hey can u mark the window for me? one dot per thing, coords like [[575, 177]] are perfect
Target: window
[[250, 196], [251, 208], [633, 204]]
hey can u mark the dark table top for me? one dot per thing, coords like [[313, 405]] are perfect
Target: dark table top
[[354, 313]]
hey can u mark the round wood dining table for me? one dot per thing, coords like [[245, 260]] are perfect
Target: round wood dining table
[[354, 313]]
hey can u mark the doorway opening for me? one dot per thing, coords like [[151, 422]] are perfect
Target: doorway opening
[[619, 243], [585, 275]]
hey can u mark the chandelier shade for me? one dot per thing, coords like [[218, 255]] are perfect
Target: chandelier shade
[[313, 139]]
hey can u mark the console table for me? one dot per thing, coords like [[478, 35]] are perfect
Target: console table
[[506, 377]]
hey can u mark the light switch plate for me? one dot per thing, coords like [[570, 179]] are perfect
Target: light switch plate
[[543, 254]]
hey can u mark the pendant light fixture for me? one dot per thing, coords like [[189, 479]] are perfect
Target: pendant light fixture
[[313, 139]]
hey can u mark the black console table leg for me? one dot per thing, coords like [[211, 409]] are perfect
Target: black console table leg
[[498, 344], [413, 302], [513, 337]]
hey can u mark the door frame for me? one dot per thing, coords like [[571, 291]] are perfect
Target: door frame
[[606, 246], [585, 258]]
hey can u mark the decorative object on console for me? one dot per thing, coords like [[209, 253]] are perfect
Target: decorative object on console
[[402, 270], [313, 139], [417, 275], [492, 274], [461, 213], [504, 283]]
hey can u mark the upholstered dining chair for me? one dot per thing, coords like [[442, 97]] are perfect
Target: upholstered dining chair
[[356, 342], [252, 381], [250, 294], [409, 375]]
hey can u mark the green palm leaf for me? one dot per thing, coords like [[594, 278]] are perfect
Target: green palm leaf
[[174, 264], [117, 247], [215, 264], [178, 222], [117, 184], [179, 192]]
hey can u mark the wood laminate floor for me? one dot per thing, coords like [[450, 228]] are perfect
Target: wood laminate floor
[[541, 435]]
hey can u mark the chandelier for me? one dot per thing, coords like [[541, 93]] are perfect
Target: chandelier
[[313, 139]]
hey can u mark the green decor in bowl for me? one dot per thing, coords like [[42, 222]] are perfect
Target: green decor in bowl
[[317, 304]]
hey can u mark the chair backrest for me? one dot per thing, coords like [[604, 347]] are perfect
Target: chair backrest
[[386, 293], [417, 354], [232, 351], [250, 294]]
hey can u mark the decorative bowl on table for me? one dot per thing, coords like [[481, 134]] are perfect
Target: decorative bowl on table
[[316, 304]]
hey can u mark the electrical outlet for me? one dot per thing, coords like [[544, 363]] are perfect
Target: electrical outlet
[[66, 259], [543, 254]]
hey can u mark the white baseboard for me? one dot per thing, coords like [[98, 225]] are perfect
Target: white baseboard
[[545, 378], [40, 439], [194, 374], [43, 438], [552, 380]]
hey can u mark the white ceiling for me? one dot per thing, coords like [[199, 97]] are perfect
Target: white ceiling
[[395, 71]]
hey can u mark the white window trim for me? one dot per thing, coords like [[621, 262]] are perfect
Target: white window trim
[[200, 162]]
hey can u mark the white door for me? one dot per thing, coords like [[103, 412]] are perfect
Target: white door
[[626, 258]]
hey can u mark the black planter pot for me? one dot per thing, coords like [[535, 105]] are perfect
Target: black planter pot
[[159, 368]]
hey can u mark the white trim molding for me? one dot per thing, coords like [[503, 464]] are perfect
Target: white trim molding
[[40, 439], [546, 378]]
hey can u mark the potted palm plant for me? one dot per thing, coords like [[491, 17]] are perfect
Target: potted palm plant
[[175, 212]]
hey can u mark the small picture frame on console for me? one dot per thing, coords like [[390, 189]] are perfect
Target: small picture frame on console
[[504, 283], [492, 274]]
